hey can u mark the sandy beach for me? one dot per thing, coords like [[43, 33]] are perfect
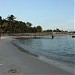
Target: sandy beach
[[15, 62]]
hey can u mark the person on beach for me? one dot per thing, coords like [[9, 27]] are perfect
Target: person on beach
[[52, 37]]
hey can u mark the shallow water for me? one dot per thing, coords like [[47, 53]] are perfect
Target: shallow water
[[61, 48]]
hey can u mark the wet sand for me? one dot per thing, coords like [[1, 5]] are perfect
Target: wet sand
[[15, 62]]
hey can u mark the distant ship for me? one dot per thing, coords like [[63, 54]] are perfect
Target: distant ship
[[73, 36]]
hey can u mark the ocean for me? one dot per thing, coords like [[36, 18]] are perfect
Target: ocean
[[60, 49]]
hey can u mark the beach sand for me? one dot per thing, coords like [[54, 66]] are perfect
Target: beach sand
[[15, 62]]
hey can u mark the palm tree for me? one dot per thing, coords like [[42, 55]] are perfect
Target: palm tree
[[11, 17], [5, 25], [11, 20], [29, 26]]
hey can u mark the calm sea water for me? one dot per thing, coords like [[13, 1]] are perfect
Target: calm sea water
[[61, 48]]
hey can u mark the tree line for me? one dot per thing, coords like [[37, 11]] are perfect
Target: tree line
[[11, 25], [55, 30]]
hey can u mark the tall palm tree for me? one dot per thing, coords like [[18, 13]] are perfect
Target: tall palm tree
[[11, 17], [29, 26], [11, 20]]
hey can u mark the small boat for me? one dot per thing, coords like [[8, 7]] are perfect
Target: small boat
[[73, 36]]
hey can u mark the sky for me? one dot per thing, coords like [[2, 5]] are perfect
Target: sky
[[50, 14]]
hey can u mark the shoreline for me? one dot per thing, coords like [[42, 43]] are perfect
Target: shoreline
[[12, 58], [24, 50], [44, 59]]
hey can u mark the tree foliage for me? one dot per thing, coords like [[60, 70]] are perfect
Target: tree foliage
[[10, 25]]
